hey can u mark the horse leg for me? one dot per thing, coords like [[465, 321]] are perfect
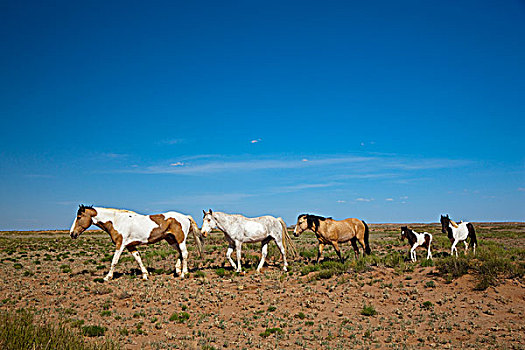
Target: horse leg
[[238, 245], [356, 248], [173, 242], [114, 262], [466, 247], [429, 254], [338, 251], [319, 252], [133, 250], [413, 253], [283, 254], [228, 255], [362, 242], [184, 256], [264, 252], [454, 248]]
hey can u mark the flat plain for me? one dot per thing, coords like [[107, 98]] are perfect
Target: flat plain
[[380, 301]]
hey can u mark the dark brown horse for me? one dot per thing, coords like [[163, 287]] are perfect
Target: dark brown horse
[[330, 231]]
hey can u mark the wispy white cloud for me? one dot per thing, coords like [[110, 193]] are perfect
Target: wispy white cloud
[[112, 155], [389, 199], [172, 141], [255, 140], [215, 166], [177, 164], [360, 199], [340, 201]]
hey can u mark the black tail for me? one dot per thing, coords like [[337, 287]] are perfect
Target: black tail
[[367, 246], [472, 235]]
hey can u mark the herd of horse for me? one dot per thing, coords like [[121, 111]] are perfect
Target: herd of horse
[[128, 229]]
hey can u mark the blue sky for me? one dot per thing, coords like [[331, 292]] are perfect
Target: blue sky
[[385, 111]]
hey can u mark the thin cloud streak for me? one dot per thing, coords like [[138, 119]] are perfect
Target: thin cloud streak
[[247, 165], [358, 167]]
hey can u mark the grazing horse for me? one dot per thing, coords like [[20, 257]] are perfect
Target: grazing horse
[[415, 240], [128, 229], [330, 231], [239, 229], [459, 232]]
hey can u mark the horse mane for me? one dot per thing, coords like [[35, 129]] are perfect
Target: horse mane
[[313, 221], [82, 208]]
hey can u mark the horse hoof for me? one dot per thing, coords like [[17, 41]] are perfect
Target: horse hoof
[[107, 278], [145, 277]]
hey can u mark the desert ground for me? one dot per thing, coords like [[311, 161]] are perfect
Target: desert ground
[[380, 301]]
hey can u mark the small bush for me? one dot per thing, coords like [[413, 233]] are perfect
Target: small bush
[[270, 331], [221, 272], [427, 305], [300, 316], [368, 310], [180, 317], [93, 331]]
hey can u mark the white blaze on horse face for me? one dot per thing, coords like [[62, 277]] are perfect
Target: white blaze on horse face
[[208, 224], [72, 227]]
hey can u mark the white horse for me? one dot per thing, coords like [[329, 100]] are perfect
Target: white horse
[[459, 232], [415, 240], [128, 229], [238, 229]]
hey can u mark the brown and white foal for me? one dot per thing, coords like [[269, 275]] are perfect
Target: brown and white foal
[[415, 240], [128, 229]]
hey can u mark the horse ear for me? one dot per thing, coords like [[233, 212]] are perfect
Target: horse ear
[[211, 212], [203, 212]]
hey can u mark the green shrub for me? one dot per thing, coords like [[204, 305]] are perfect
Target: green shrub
[[368, 310], [220, 272], [93, 331], [20, 330], [180, 317], [270, 331]]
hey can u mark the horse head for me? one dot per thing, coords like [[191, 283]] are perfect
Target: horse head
[[83, 220], [404, 232], [301, 225], [445, 220], [209, 222]]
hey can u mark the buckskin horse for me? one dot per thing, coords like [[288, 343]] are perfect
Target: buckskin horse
[[239, 229], [459, 232], [330, 231], [128, 229]]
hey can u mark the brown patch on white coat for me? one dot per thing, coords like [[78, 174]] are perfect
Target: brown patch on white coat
[[128, 229]]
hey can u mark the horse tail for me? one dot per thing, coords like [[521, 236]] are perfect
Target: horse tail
[[367, 232], [472, 235], [288, 245], [197, 234]]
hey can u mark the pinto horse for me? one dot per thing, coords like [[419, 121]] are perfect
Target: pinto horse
[[330, 231], [415, 240], [128, 229], [459, 232], [239, 229]]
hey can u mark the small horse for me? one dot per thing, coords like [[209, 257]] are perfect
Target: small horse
[[459, 232], [330, 231], [128, 229], [239, 229], [415, 240]]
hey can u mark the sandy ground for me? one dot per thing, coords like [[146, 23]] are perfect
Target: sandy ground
[[59, 279]]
